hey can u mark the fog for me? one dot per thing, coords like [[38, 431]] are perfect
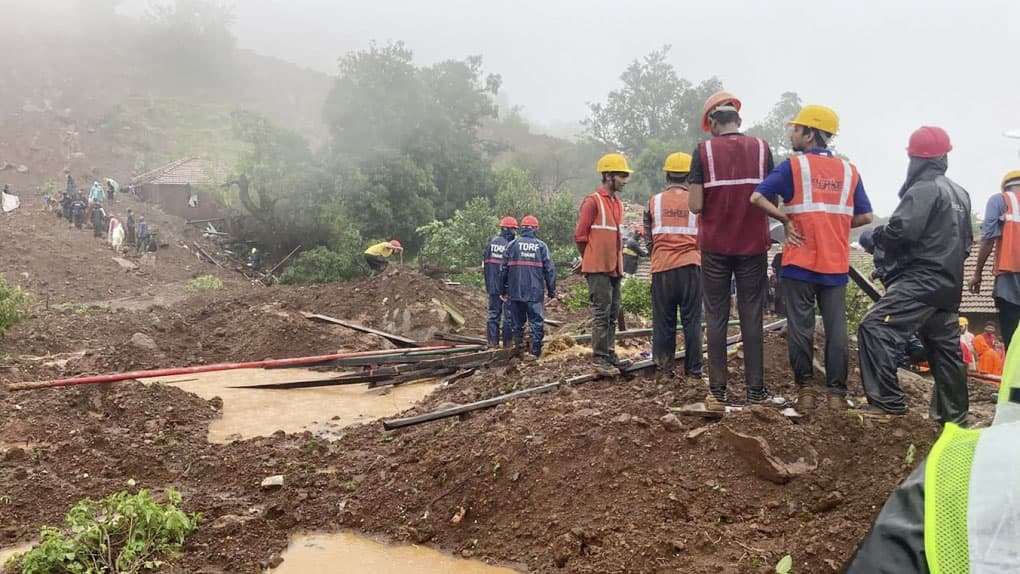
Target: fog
[[885, 67]]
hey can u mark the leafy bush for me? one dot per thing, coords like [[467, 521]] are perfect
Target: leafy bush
[[458, 242], [121, 533], [577, 297], [636, 297], [205, 282], [15, 305], [472, 278], [323, 265]]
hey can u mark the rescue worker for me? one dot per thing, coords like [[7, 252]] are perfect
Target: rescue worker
[[823, 198], [492, 260], [1000, 231], [676, 270], [599, 241], [956, 512], [98, 220], [66, 200], [254, 259], [130, 227], [632, 252], [734, 240], [925, 243], [990, 351], [96, 194], [527, 273], [377, 255]]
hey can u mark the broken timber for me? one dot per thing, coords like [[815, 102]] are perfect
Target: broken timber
[[395, 339], [453, 337], [500, 399], [401, 373], [206, 255], [284, 260]]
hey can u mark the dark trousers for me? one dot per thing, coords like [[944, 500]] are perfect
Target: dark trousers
[[376, 263], [533, 312], [716, 272], [1009, 316], [498, 310], [882, 336], [672, 289], [800, 299], [604, 294]]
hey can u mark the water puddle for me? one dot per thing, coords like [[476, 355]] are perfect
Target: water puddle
[[352, 554], [322, 410]]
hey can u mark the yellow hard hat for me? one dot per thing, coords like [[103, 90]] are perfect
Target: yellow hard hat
[[964, 322], [1012, 177], [613, 162], [678, 162], [818, 117]]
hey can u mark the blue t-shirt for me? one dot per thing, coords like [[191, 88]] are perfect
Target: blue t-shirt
[[1007, 285], [779, 183]]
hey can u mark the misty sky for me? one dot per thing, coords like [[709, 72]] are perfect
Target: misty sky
[[885, 67]]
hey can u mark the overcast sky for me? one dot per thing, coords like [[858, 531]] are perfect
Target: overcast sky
[[886, 67]]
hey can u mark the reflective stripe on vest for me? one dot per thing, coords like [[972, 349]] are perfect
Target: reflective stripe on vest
[[809, 205], [660, 229], [602, 216], [972, 501], [822, 210], [1007, 248], [711, 181]]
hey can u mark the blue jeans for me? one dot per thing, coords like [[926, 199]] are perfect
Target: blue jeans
[[534, 313], [497, 310]]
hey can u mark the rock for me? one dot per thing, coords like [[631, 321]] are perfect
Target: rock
[[830, 501], [585, 413], [275, 481], [15, 454], [670, 422], [229, 522], [693, 434], [21, 169], [622, 419], [125, 264], [143, 341]]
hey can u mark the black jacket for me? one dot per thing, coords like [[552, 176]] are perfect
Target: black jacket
[[929, 235], [630, 262]]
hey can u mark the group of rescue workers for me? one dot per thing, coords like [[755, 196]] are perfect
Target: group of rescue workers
[[709, 226], [77, 207]]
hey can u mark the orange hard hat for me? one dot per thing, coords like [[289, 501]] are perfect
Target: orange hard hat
[[530, 221], [395, 243], [929, 142], [508, 223], [714, 102]]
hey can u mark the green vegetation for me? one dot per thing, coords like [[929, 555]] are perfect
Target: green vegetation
[[122, 533], [15, 306], [203, 282], [323, 265], [577, 297], [636, 297], [857, 301]]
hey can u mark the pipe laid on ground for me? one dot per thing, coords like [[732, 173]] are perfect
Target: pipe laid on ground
[[205, 369], [491, 402]]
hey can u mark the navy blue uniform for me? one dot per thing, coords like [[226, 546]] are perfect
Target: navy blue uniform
[[493, 259], [527, 274]]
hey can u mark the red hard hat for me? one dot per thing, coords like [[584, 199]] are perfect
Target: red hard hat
[[530, 221], [928, 142], [508, 222], [395, 243], [715, 100]]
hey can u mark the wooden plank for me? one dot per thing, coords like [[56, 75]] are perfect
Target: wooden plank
[[395, 339], [284, 260], [867, 286], [460, 338], [206, 255]]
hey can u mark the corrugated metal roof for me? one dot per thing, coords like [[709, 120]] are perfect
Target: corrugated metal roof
[[191, 170]]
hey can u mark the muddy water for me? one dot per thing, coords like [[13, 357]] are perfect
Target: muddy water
[[323, 410], [352, 554]]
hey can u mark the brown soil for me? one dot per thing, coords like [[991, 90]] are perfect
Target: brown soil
[[586, 479]]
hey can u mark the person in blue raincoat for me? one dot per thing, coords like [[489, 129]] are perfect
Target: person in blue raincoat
[[527, 274], [492, 260]]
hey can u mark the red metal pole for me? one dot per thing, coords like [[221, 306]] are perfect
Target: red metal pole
[[209, 368]]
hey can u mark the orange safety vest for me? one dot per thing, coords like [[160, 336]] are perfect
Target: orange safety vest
[[821, 210], [1007, 248], [674, 230], [604, 252]]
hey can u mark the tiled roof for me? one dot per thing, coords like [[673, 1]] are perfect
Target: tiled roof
[[983, 302], [191, 170]]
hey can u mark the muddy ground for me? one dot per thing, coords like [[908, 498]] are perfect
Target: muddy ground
[[597, 478]]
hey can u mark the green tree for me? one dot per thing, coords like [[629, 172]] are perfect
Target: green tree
[[655, 102], [458, 243], [773, 128], [392, 197]]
